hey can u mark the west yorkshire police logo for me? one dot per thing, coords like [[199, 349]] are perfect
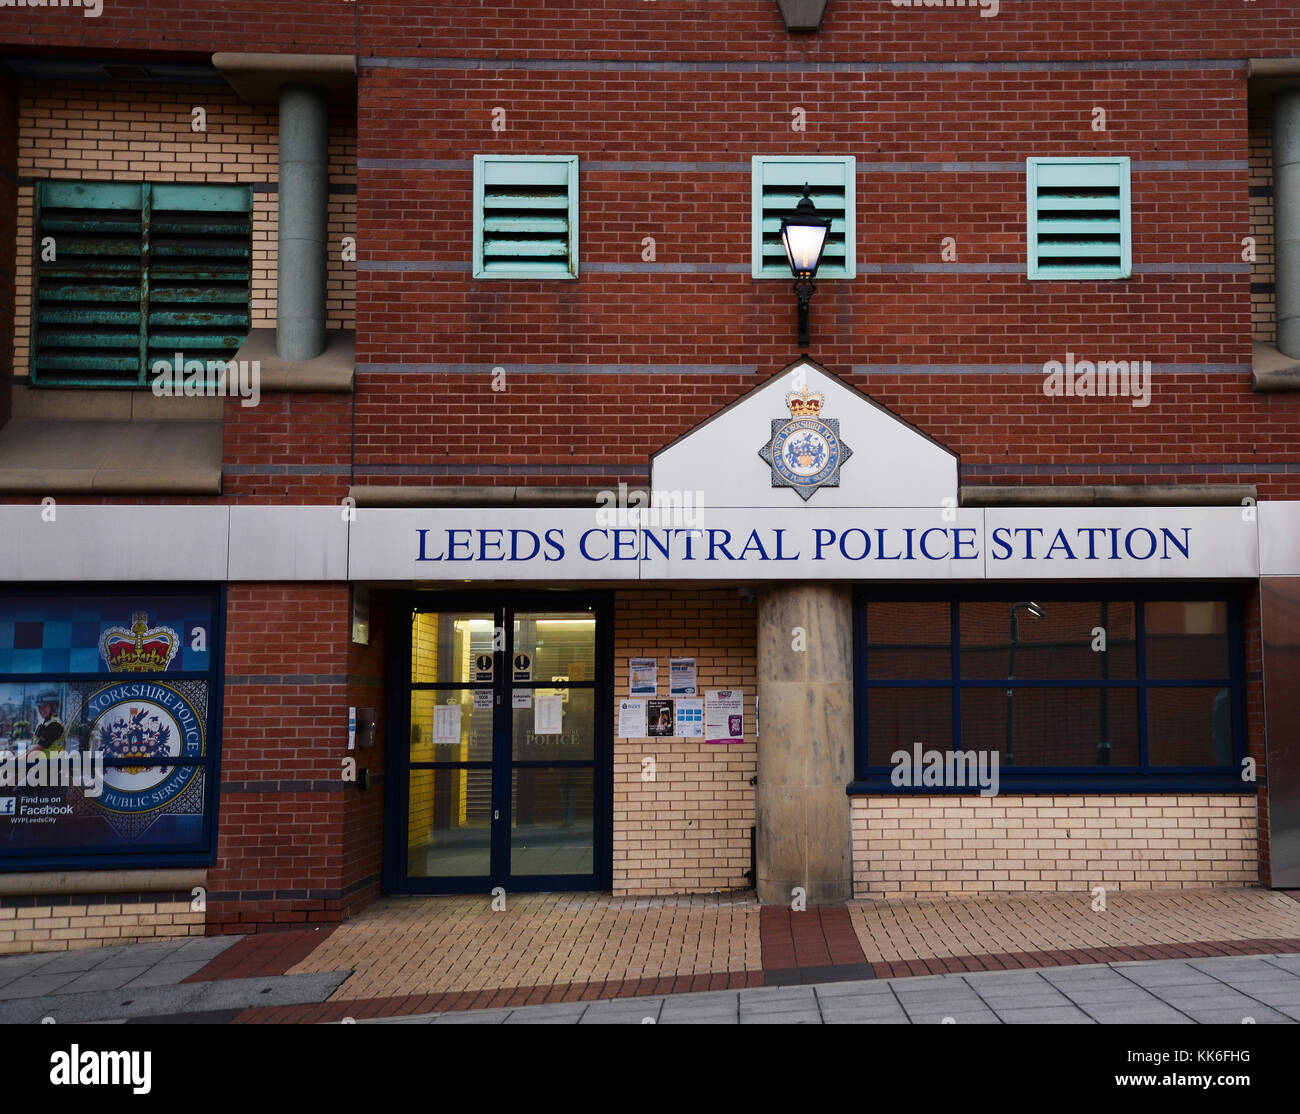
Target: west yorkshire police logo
[[805, 451]]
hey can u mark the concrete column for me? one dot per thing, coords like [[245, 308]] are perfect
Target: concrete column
[[304, 198], [805, 745], [1286, 219]]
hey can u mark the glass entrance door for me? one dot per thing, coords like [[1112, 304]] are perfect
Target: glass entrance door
[[502, 771]]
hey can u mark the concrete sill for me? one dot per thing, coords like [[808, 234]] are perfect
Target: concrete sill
[[45, 456], [65, 882], [332, 372], [1107, 495], [473, 495], [1273, 371]]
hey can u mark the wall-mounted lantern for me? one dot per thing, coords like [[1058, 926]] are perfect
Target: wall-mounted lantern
[[804, 234]]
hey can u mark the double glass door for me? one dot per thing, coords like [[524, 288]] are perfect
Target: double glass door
[[504, 755]]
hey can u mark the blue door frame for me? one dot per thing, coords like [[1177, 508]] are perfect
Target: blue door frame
[[503, 606]]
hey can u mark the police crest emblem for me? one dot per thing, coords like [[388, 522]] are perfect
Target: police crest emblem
[[805, 451]]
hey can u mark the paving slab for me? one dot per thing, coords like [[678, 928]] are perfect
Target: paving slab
[[1044, 1015]]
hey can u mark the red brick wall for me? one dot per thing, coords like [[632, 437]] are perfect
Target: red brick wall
[[280, 841], [363, 811]]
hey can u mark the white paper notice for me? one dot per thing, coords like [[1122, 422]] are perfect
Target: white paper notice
[[681, 677], [724, 716], [548, 712], [521, 698], [446, 723], [483, 698], [644, 674], [631, 719], [690, 719]]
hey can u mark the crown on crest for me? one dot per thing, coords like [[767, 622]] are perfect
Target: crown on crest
[[803, 404], [140, 649]]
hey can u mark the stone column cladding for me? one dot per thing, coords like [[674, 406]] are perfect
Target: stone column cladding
[[1286, 206], [304, 197], [805, 745]]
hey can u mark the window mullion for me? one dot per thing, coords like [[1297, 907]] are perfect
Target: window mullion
[[146, 212]]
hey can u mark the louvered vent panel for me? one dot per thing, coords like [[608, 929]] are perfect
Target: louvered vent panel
[[830, 185], [526, 223], [199, 273], [88, 304], [1079, 217]]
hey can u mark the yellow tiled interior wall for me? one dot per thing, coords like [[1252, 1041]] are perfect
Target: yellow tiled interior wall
[[1263, 307], [687, 830], [140, 132], [61, 927], [424, 651], [935, 846]]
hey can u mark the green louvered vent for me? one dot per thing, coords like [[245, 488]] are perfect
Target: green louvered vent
[[140, 272], [526, 217], [199, 273], [88, 313], [1079, 219], [779, 186]]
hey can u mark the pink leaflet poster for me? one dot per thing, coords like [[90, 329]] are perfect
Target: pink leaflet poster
[[724, 716]]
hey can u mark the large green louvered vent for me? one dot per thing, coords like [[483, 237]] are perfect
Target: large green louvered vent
[[128, 274], [1079, 226], [525, 217], [777, 189]]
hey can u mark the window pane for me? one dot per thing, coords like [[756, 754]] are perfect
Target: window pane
[[444, 646], [897, 718], [909, 641], [577, 737], [562, 646], [552, 827], [1189, 727], [1056, 645], [461, 735], [1053, 726], [449, 823], [1187, 640]]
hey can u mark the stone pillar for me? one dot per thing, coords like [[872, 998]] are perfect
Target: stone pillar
[[805, 745], [1286, 219], [304, 200]]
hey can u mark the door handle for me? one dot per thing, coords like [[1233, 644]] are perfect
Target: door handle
[[496, 814]]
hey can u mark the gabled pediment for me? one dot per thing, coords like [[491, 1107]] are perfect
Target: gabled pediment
[[757, 452]]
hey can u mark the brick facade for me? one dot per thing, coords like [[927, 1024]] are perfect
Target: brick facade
[[934, 846], [688, 829], [665, 104]]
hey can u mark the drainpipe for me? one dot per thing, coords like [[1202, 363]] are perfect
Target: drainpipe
[[1286, 218], [304, 190]]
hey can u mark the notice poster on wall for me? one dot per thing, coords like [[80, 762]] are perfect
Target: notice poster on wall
[[446, 724], [724, 716], [690, 719], [643, 674], [548, 713], [659, 719], [631, 719], [682, 677]]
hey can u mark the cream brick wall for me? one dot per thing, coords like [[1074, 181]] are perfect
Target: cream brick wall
[[1263, 307], [688, 830], [942, 846], [138, 132], [57, 926]]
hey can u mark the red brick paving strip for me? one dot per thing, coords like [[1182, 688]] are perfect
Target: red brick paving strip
[[267, 953], [821, 936], [325, 1012]]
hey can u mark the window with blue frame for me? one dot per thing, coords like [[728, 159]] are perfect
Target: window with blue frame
[[108, 728], [1112, 688]]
